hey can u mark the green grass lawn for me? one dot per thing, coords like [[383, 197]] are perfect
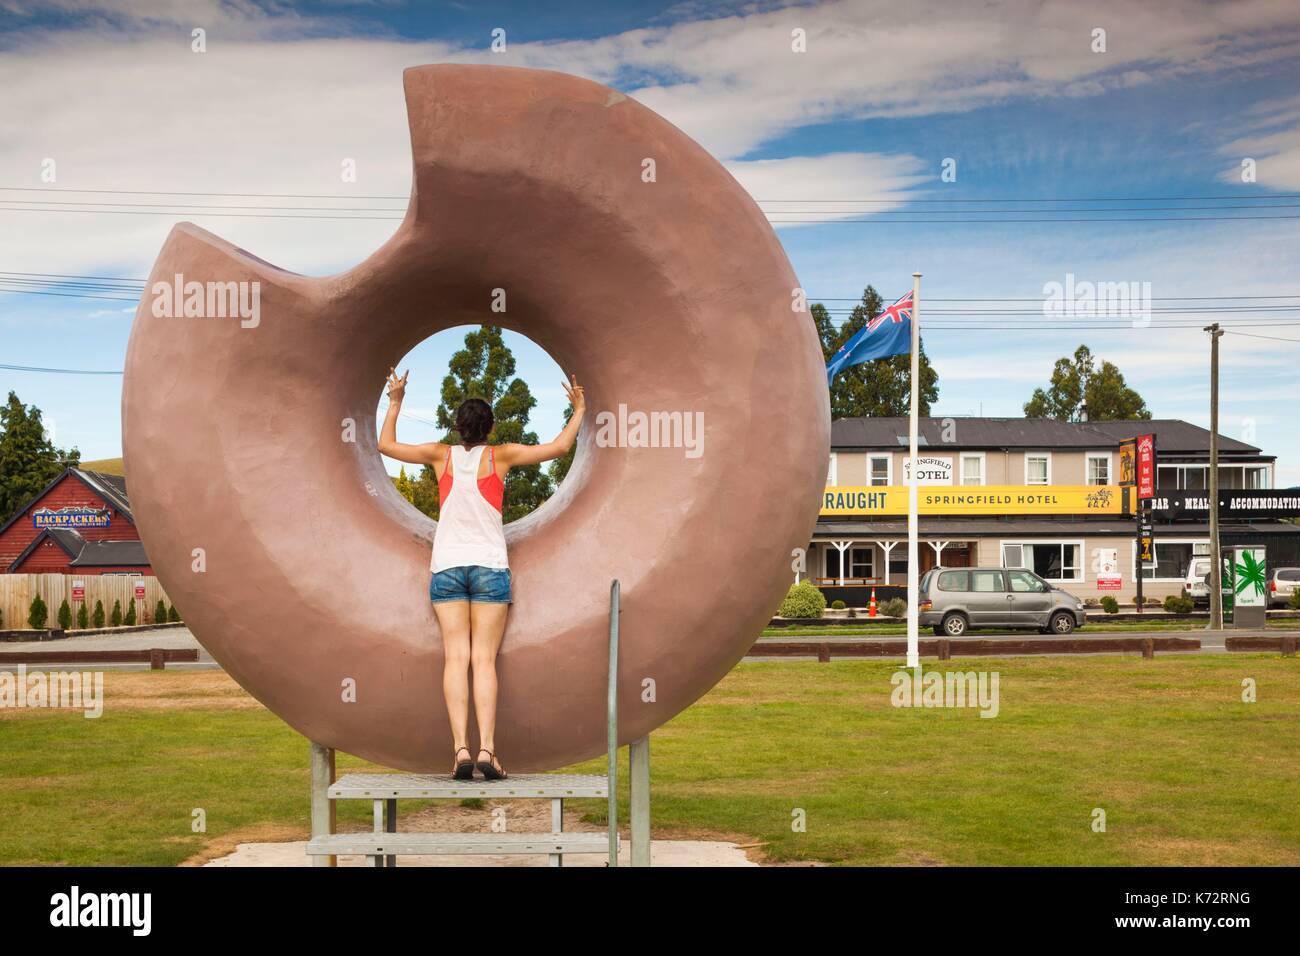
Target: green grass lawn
[[1186, 772]]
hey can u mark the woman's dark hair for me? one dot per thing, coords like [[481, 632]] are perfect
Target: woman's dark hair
[[474, 421]]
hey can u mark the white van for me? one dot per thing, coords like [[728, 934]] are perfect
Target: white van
[[1194, 583]]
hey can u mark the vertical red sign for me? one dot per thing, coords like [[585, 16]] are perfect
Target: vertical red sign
[[1146, 466], [139, 590], [78, 590]]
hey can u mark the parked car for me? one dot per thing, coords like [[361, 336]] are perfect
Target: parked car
[[1196, 583], [953, 600], [1281, 583]]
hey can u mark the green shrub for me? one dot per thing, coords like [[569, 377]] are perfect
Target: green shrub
[[83, 616], [160, 612], [65, 615], [1110, 605], [129, 620], [115, 619], [1295, 599], [98, 617], [1178, 605], [173, 616], [894, 607], [804, 600], [838, 605], [38, 613]]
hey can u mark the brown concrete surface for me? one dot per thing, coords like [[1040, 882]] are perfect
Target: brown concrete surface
[[671, 296]]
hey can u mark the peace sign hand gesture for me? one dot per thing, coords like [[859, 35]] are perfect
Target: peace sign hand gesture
[[576, 397], [397, 386]]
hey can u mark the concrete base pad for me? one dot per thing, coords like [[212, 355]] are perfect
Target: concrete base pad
[[662, 853]]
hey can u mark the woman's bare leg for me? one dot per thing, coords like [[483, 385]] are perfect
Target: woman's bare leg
[[487, 625], [453, 619]]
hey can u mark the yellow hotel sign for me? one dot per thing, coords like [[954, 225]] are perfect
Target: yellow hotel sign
[[976, 500]]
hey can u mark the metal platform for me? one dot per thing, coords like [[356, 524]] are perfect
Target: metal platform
[[384, 844], [416, 786], [431, 844]]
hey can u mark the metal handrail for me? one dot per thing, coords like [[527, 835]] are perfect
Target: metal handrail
[[612, 714]]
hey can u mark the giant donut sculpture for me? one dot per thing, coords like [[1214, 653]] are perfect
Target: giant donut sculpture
[[299, 567]]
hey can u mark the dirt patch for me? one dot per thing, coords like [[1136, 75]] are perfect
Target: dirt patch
[[187, 690], [261, 833]]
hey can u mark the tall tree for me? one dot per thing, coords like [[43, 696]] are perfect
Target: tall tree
[[28, 459], [404, 485], [485, 369], [879, 388], [1076, 382]]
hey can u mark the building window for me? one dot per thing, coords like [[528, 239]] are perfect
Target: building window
[[1098, 469], [1197, 477], [861, 562], [878, 470], [1053, 560], [832, 471], [1174, 559], [972, 469], [1038, 468]]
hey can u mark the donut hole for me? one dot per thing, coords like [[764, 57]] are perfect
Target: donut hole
[[429, 363]]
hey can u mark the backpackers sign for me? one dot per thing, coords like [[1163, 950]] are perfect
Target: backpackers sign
[[71, 517], [886, 500]]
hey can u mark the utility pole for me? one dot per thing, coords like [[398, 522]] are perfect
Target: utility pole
[[913, 589], [1216, 557]]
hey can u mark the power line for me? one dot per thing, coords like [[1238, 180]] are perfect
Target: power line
[[61, 371], [171, 207], [129, 284], [779, 222], [886, 199], [1254, 335]]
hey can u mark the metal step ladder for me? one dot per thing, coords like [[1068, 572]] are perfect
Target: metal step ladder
[[384, 843]]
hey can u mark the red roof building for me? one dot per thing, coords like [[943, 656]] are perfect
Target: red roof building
[[80, 523]]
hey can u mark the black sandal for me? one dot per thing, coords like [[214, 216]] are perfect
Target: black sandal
[[464, 768], [488, 768]]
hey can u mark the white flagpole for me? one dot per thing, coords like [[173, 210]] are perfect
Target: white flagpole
[[913, 598]]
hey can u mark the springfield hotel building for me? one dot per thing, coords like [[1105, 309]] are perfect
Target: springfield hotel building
[[1037, 494]]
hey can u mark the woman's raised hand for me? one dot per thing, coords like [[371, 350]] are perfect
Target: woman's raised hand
[[576, 397], [397, 386]]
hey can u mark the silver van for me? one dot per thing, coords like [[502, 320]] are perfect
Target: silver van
[[953, 600], [1281, 582]]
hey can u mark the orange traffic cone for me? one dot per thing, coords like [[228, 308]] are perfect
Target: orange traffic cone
[[871, 608]]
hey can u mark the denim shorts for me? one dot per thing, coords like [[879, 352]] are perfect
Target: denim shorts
[[473, 583]]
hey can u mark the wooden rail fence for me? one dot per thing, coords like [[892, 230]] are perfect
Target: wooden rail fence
[[945, 649]]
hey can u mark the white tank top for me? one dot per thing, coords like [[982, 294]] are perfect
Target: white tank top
[[469, 517]]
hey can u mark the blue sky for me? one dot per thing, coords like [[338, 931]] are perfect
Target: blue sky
[[1013, 91]]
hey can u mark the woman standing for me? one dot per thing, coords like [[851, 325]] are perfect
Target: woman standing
[[470, 583]]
